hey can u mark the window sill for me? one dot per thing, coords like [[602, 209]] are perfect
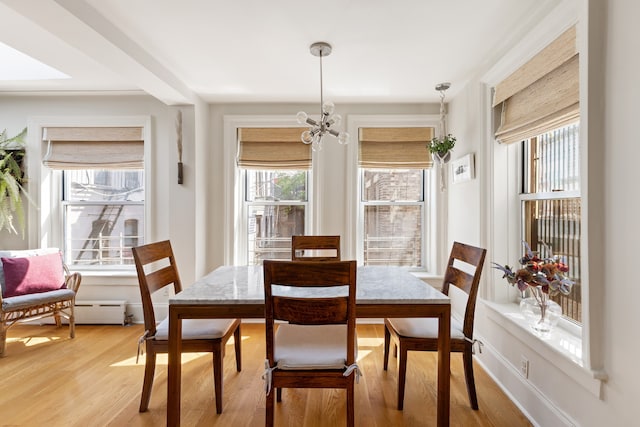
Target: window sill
[[562, 348], [108, 277]]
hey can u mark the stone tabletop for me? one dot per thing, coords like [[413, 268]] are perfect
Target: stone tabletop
[[375, 285]]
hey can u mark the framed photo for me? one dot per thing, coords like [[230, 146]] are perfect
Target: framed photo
[[462, 169]]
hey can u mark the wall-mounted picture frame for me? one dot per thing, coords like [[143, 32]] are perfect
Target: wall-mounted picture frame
[[463, 169]]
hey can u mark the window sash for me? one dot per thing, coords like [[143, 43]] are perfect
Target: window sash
[[120, 243], [259, 247], [363, 189], [396, 249], [551, 205]]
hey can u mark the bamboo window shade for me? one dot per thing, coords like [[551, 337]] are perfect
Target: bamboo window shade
[[272, 148], [94, 147], [541, 95], [395, 148]]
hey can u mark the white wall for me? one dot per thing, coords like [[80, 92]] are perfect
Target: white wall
[[464, 208]]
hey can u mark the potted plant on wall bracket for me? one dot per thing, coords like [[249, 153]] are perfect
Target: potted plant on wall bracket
[[12, 178]]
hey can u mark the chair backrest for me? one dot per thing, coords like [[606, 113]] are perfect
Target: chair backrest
[[157, 268], [295, 304], [320, 248], [463, 271]]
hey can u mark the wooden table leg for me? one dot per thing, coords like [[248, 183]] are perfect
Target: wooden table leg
[[174, 368], [444, 366]]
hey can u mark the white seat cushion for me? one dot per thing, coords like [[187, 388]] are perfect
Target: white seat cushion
[[299, 347], [196, 329], [425, 327]]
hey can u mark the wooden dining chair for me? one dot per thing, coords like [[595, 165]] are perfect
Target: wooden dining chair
[[315, 248], [461, 281], [157, 269], [315, 347]]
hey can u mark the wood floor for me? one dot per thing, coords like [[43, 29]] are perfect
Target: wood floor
[[93, 380]]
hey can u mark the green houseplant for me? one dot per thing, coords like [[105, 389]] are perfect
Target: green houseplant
[[12, 178], [440, 148]]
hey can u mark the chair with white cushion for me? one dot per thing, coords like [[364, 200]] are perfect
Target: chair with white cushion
[[156, 267], [461, 281], [314, 343]]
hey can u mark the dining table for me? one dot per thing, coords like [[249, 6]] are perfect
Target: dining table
[[238, 292]]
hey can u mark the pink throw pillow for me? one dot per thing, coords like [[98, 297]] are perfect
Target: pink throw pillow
[[30, 275]]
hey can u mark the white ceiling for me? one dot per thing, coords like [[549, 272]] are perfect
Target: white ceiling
[[258, 51]]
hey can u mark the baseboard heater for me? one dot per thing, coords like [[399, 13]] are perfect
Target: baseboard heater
[[106, 312]]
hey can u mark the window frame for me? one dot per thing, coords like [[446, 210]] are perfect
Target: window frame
[[422, 203], [65, 203], [46, 219], [247, 204], [526, 194], [434, 212]]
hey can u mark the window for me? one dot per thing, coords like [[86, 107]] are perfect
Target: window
[[393, 198], [274, 165], [98, 193], [550, 203], [103, 216], [393, 212], [276, 206]]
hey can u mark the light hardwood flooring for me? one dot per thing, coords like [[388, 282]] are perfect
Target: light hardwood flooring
[[49, 379]]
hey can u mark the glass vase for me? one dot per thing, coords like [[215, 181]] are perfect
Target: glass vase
[[541, 313]]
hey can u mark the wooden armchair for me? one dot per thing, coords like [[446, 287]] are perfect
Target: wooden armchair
[[56, 302]]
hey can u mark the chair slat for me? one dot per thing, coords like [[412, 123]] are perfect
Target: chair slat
[[311, 311]]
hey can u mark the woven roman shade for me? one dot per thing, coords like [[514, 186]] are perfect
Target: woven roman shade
[[395, 148], [94, 147], [541, 95], [272, 148]]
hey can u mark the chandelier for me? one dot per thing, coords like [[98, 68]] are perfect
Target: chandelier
[[328, 120]]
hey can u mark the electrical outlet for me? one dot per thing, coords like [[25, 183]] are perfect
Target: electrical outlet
[[524, 366]]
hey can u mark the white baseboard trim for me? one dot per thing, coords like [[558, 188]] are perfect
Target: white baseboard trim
[[538, 409]]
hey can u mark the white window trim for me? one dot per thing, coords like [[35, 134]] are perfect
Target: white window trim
[[45, 221], [235, 250], [433, 217]]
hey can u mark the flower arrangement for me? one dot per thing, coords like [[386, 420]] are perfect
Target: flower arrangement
[[545, 274], [544, 277]]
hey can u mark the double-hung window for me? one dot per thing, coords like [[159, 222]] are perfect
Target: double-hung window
[[393, 168], [550, 200], [103, 215], [102, 195], [275, 167]]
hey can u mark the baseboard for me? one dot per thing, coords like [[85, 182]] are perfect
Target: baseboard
[[538, 408]]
